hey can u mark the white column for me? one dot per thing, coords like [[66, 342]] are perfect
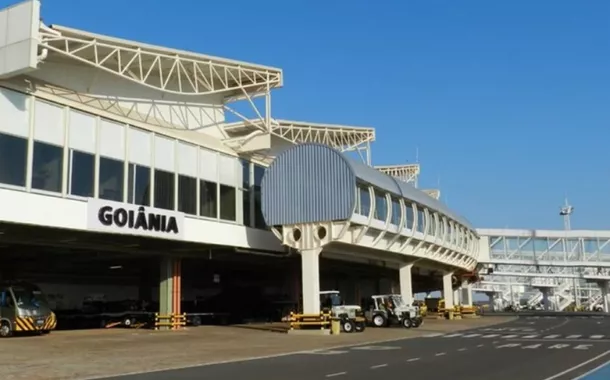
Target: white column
[[466, 294], [456, 296], [310, 278], [448, 290], [406, 283]]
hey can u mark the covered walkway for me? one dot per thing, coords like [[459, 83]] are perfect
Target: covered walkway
[[317, 200]]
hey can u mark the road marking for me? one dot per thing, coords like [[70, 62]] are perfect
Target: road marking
[[413, 359], [336, 374], [583, 346], [592, 372], [532, 346], [573, 336], [551, 336], [509, 336], [578, 366], [480, 345], [509, 345], [596, 336], [376, 348], [471, 335], [379, 366], [440, 354], [452, 335], [434, 335], [329, 352], [530, 336], [462, 349], [558, 346]]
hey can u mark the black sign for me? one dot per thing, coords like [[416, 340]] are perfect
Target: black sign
[[107, 215]]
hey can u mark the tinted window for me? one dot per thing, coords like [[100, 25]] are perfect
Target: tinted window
[[246, 207], [164, 190], [111, 179], [208, 198], [82, 173], [396, 214], [139, 185], [227, 202], [365, 201], [410, 216], [259, 221], [381, 210], [47, 168], [245, 165], [259, 172], [187, 194], [13, 159]]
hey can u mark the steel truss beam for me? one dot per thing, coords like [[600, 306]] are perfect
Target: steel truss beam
[[170, 71], [408, 173]]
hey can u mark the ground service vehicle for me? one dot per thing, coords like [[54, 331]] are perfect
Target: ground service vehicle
[[351, 316], [388, 309], [24, 308]]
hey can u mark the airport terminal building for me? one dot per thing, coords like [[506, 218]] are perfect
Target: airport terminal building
[[121, 179]]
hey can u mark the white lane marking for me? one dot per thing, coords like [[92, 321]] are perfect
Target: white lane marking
[[551, 336], [532, 347], [329, 352], [573, 336], [413, 359], [530, 336], [440, 354], [490, 336], [586, 374], [509, 336], [378, 366], [578, 366], [480, 345], [433, 335], [471, 335], [583, 346], [336, 374], [462, 349], [596, 336], [558, 346], [452, 335], [509, 345], [376, 348]]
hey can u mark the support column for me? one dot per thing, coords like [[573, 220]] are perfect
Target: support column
[[456, 296], [604, 288], [546, 303], [170, 283], [448, 290], [406, 283], [466, 294], [310, 278]]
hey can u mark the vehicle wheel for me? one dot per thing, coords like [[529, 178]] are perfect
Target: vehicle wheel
[[360, 326], [407, 323], [127, 322], [196, 321], [379, 320], [348, 326], [5, 330]]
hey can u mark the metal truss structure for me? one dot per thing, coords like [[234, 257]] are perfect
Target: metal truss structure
[[408, 173], [168, 70], [566, 261], [434, 193], [341, 137]]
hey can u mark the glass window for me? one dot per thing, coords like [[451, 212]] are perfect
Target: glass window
[[208, 196], [410, 216], [381, 209], [396, 214], [227, 202], [187, 194], [420, 220], [433, 229], [365, 200], [13, 159], [82, 173], [138, 186], [164, 190], [259, 220], [111, 179], [246, 208], [47, 168]]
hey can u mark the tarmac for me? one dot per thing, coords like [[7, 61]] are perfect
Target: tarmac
[[89, 354]]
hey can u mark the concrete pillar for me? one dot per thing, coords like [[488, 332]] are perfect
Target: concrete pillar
[[546, 302], [466, 294], [456, 296], [170, 295], [310, 278], [406, 283], [448, 290]]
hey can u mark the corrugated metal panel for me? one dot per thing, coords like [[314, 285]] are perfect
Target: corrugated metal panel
[[308, 183], [314, 182]]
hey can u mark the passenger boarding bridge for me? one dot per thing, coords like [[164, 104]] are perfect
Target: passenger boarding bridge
[[560, 268]]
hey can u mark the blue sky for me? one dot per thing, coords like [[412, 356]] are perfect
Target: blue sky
[[508, 102]]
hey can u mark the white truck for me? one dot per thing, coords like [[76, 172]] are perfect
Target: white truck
[[351, 316]]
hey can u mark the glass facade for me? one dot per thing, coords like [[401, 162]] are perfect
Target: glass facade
[[81, 167], [47, 168], [13, 160]]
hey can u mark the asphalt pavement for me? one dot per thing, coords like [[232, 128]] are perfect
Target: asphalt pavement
[[529, 348]]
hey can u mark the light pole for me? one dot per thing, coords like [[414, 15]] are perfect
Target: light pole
[[566, 211]]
